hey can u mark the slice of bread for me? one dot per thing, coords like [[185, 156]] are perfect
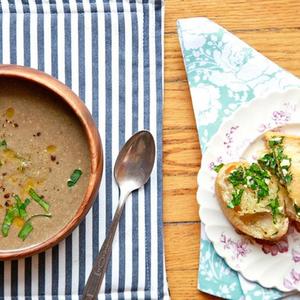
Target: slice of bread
[[291, 150], [259, 217]]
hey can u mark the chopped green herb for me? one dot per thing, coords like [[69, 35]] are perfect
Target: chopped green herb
[[18, 204], [297, 209], [274, 205], [21, 206], [26, 202], [74, 177], [18, 200], [275, 140], [253, 177], [237, 177], [25, 230], [11, 213], [27, 227], [277, 162], [217, 168], [3, 145], [256, 170], [39, 200], [262, 192], [236, 198], [257, 180], [17, 210], [288, 178], [268, 161]]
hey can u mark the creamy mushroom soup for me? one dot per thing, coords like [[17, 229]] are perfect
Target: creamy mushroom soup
[[44, 164]]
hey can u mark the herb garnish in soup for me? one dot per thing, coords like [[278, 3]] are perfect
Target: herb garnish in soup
[[44, 165]]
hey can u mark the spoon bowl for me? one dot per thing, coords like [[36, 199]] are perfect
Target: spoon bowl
[[135, 161]]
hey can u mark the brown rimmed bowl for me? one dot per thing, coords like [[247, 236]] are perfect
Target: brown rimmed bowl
[[63, 93]]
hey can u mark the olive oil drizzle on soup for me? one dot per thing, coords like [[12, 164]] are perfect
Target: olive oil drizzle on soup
[[44, 164]]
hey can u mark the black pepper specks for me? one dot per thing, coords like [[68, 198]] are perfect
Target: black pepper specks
[[37, 134], [7, 203]]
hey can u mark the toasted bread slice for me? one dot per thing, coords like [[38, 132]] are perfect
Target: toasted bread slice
[[291, 149], [252, 216]]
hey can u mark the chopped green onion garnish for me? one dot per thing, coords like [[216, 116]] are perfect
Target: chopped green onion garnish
[[11, 213], [26, 202], [18, 204], [24, 232], [3, 145], [17, 210], [74, 177], [27, 227], [45, 205], [21, 206]]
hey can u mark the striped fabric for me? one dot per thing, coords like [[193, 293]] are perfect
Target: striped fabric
[[111, 54]]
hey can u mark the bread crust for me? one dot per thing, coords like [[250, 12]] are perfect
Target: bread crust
[[255, 224]]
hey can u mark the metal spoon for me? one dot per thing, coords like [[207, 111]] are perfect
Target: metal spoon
[[132, 170]]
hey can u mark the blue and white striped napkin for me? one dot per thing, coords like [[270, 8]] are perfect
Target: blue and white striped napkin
[[111, 54]]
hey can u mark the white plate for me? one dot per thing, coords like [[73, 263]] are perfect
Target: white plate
[[240, 137]]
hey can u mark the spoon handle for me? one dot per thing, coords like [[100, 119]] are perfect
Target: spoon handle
[[95, 279]]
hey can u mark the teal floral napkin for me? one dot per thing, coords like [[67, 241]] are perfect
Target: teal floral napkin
[[223, 73]]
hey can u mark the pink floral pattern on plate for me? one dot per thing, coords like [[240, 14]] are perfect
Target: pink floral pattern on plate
[[229, 139], [238, 248], [292, 280], [279, 117], [295, 255], [283, 116]]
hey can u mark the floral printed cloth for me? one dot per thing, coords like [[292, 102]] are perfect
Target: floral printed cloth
[[223, 73]]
